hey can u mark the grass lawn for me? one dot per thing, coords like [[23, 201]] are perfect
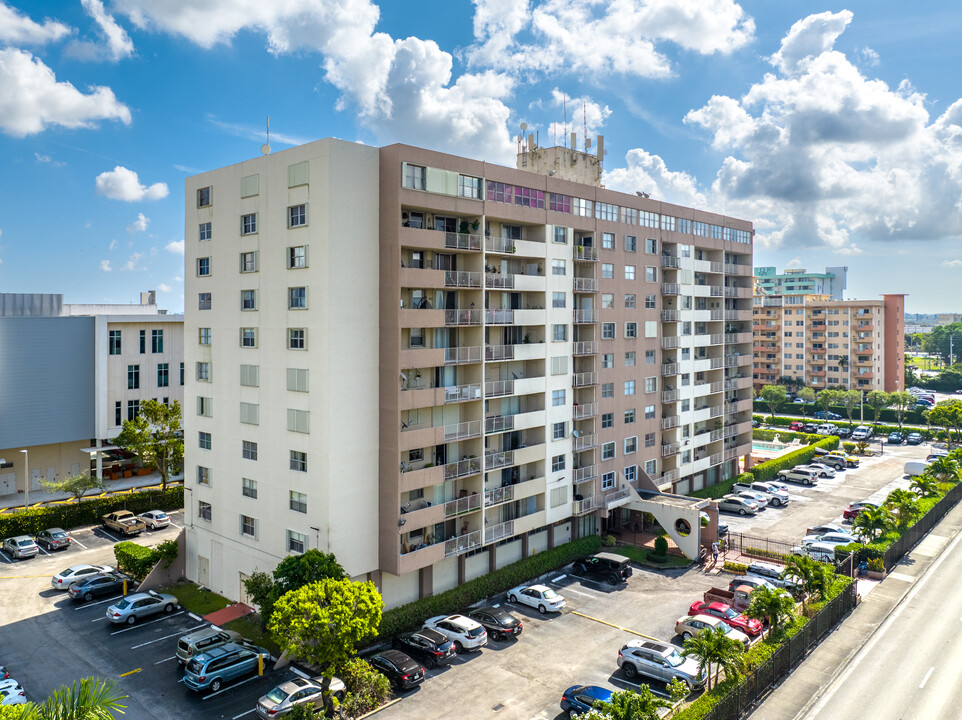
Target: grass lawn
[[250, 627], [200, 602], [640, 556]]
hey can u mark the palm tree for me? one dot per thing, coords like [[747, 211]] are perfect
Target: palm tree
[[804, 570], [713, 647], [943, 469], [88, 699], [631, 705], [905, 505], [771, 605], [872, 522], [924, 485]]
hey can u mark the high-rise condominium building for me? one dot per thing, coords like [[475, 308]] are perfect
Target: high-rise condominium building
[[798, 281], [432, 366]]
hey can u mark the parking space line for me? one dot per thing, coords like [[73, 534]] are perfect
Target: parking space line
[[180, 528], [254, 709], [634, 684], [301, 673], [151, 622], [165, 637], [560, 577], [102, 617], [110, 535], [87, 606], [4, 556], [228, 689], [196, 617], [580, 592], [165, 660], [78, 542], [40, 548], [616, 627]]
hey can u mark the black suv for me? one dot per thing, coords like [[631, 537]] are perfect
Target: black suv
[[427, 645], [604, 566], [401, 671], [499, 623]]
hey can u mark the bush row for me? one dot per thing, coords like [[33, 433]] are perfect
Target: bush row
[[734, 567], [88, 511], [410, 616], [886, 415], [785, 436], [138, 560], [765, 554]]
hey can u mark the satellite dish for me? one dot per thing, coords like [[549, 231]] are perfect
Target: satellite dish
[[265, 149]]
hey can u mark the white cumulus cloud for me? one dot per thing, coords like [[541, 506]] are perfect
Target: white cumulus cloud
[[952, 263], [123, 184], [583, 112], [810, 37], [133, 262], [117, 44], [140, 224], [648, 173], [105, 266], [164, 287], [175, 246], [18, 29]]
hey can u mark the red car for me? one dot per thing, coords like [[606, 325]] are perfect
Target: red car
[[855, 508], [797, 426], [720, 610]]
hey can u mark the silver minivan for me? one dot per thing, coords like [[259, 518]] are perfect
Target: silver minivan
[[203, 640]]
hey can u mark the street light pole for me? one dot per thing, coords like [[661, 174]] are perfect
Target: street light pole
[[26, 479]]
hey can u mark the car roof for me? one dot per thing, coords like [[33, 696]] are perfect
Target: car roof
[[539, 588], [659, 647], [399, 659], [707, 619], [202, 633], [429, 633], [610, 556]]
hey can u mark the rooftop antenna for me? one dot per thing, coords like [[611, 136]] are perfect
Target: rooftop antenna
[[266, 147], [564, 105], [584, 108]]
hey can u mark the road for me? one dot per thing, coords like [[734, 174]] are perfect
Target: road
[[909, 668]]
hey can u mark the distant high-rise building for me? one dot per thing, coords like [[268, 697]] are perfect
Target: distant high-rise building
[[798, 281]]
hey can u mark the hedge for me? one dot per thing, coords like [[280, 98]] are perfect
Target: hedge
[[410, 616], [138, 560], [886, 415], [88, 511], [734, 567], [764, 435], [765, 554]]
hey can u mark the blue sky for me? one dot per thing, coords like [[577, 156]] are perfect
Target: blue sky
[[837, 129]]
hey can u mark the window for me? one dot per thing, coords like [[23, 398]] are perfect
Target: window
[[651, 384], [608, 451], [298, 421], [651, 246], [203, 510], [559, 365], [414, 176], [581, 207], [651, 467], [558, 431], [629, 416], [248, 337], [250, 375], [133, 377], [606, 211], [629, 272], [631, 243], [163, 375], [607, 301], [607, 270], [248, 526], [649, 412], [296, 216], [559, 333], [249, 224], [203, 301], [203, 267], [298, 174], [298, 502], [114, 342], [607, 420], [118, 413], [248, 299], [249, 488], [561, 235], [297, 257], [557, 299], [469, 187], [629, 359], [143, 341], [133, 409], [557, 463], [607, 480], [296, 542], [629, 387], [204, 406], [649, 357], [296, 338], [631, 329], [558, 267], [631, 445], [182, 373], [250, 414], [248, 262], [649, 440], [607, 331], [557, 398], [248, 450], [607, 360], [629, 301], [297, 298], [297, 379], [298, 461], [249, 185], [651, 274], [607, 390], [203, 475], [607, 239], [203, 197], [204, 231], [631, 473], [203, 440], [203, 336]]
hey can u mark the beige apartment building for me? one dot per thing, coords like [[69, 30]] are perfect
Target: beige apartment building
[[432, 366], [821, 343]]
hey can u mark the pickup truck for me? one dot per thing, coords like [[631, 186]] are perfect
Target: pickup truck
[[739, 598], [123, 522]]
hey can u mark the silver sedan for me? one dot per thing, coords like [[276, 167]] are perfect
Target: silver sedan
[[141, 605]]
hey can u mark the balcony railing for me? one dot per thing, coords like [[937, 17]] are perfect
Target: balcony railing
[[499, 352], [716, 387], [493, 280], [495, 460], [462, 468], [462, 431], [586, 505], [669, 396], [670, 289], [499, 495], [717, 290], [462, 241], [586, 254], [499, 317], [585, 442], [733, 269], [716, 315], [461, 393], [586, 473], [584, 379], [615, 498], [584, 411], [584, 348], [498, 388], [498, 423], [462, 355], [462, 543], [716, 339], [668, 449], [462, 317], [716, 411], [457, 278], [498, 244], [669, 369], [667, 423], [670, 315], [585, 285], [671, 342], [499, 531], [670, 261], [734, 314], [716, 362], [585, 316], [462, 505], [716, 267], [669, 476]]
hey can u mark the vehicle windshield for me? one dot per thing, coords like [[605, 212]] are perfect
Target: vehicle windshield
[[277, 695], [123, 604], [729, 613], [675, 659], [160, 516], [549, 594], [725, 627]]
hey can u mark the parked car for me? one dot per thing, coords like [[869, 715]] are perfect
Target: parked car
[[427, 646], [20, 547], [579, 699], [936, 455], [843, 432], [735, 504], [799, 475], [499, 623], [12, 696], [773, 574], [826, 429], [752, 581], [839, 460], [854, 508], [688, 626], [53, 539], [285, 697], [537, 596], [832, 538], [465, 633], [155, 519], [757, 500], [105, 583], [401, 671], [140, 605], [796, 426], [749, 626], [826, 415], [660, 661], [604, 566], [895, 438], [200, 641], [914, 438], [823, 470], [811, 427], [774, 496], [817, 551], [76, 573], [775, 485], [915, 467], [211, 669], [822, 529], [862, 432], [4, 673]]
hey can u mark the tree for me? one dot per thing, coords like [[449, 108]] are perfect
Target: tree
[[905, 505], [808, 395], [877, 400], [804, 570], [947, 414], [826, 399], [156, 437], [631, 705], [323, 622], [774, 396], [943, 469], [88, 699], [924, 485], [712, 646], [902, 402], [75, 485], [850, 399], [771, 605], [293, 572], [872, 522]]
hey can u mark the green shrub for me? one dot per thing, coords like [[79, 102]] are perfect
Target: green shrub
[[888, 415], [609, 541], [410, 616], [661, 549], [167, 551], [88, 511], [734, 567], [137, 560], [767, 554], [876, 564], [848, 447], [366, 688]]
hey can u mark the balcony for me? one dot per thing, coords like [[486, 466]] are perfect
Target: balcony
[[670, 289], [462, 393], [462, 355], [580, 349], [456, 278], [499, 495], [583, 317], [865, 375], [499, 531], [716, 339], [498, 352], [669, 449], [733, 269], [585, 285], [498, 388], [499, 317], [462, 431], [618, 498], [462, 505], [584, 379], [462, 544], [667, 423], [817, 351], [716, 362], [669, 261], [669, 369], [586, 410], [737, 314], [499, 245], [585, 442], [737, 383], [670, 343], [498, 424], [668, 396], [586, 505], [586, 473], [817, 373], [585, 254], [495, 460], [494, 280], [670, 315], [462, 317], [462, 468]]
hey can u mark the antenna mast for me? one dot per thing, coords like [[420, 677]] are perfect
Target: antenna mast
[[564, 107], [266, 147]]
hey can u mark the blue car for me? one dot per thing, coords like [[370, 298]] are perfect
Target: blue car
[[895, 438], [826, 415], [579, 699]]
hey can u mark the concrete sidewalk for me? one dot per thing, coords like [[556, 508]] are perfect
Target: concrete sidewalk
[[41, 497], [802, 689]]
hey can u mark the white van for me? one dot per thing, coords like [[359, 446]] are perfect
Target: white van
[[915, 467], [827, 429]]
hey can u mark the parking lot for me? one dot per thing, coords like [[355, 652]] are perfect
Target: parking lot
[[47, 640]]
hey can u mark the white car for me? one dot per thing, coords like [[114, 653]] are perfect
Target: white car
[[832, 538], [537, 596], [823, 552], [64, 579], [465, 633], [824, 471], [12, 696], [862, 432], [694, 624], [155, 519]]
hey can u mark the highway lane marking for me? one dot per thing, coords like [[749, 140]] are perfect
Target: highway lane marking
[[131, 672], [926, 678], [87, 606], [165, 637], [617, 627], [165, 660], [254, 709], [227, 689], [150, 622]]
